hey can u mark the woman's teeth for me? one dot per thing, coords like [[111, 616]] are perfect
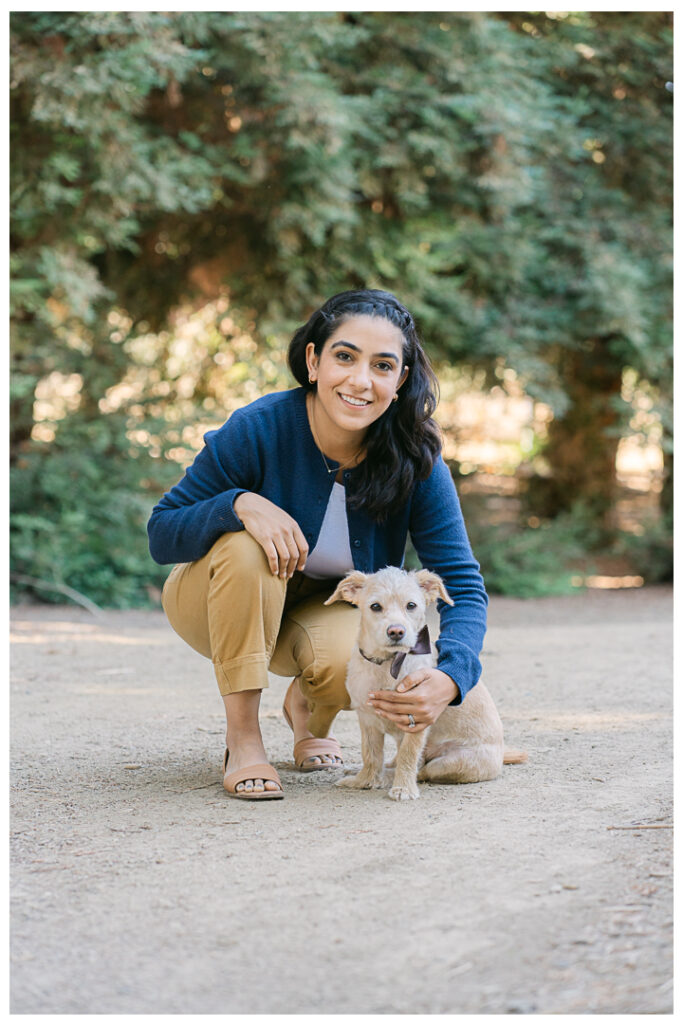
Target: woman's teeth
[[353, 401]]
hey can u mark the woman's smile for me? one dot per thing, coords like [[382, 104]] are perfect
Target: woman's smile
[[357, 403]]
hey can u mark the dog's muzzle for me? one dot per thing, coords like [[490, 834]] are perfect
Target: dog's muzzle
[[422, 646]]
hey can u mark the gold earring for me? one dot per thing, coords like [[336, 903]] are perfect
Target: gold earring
[[311, 379], [395, 398]]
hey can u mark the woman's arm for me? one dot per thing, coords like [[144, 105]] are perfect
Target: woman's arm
[[440, 538], [191, 517], [216, 496], [438, 533]]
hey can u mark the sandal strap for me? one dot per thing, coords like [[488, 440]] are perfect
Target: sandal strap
[[252, 771], [313, 747]]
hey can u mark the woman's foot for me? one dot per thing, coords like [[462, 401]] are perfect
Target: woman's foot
[[296, 706], [243, 753], [244, 741]]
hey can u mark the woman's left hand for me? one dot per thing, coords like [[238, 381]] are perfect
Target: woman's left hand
[[423, 694]]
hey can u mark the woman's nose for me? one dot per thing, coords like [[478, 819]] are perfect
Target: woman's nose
[[360, 378]]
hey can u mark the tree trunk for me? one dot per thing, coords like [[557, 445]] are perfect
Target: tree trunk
[[582, 445]]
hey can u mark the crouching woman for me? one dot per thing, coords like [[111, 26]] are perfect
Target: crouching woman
[[292, 492]]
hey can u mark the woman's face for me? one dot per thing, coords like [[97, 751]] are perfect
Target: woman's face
[[358, 372]]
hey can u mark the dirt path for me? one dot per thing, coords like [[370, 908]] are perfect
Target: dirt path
[[140, 887]]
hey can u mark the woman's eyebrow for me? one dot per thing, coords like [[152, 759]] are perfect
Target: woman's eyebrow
[[349, 344]]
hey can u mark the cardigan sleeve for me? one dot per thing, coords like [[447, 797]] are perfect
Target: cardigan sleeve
[[438, 533], [191, 517]]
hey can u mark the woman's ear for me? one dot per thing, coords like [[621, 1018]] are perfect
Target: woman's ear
[[404, 373], [312, 360]]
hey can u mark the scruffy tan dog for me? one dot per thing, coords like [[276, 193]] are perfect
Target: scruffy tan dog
[[465, 744]]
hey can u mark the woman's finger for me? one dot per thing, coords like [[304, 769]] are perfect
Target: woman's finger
[[396, 700], [283, 555], [402, 721], [290, 556], [413, 680], [294, 555], [395, 711], [408, 706], [272, 556], [302, 545]]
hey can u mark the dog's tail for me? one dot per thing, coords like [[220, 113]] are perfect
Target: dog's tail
[[511, 756]]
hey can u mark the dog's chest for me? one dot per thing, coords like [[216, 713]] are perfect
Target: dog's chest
[[364, 677]]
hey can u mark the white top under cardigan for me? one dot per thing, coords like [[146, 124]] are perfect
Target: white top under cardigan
[[331, 557]]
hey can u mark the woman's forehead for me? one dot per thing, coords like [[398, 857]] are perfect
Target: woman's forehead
[[369, 333]]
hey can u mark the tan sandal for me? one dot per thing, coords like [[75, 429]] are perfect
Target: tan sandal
[[312, 747], [252, 771]]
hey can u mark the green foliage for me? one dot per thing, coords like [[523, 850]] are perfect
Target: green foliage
[[519, 560], [79, 503], [524, 562], [649, 553], [509, 175]]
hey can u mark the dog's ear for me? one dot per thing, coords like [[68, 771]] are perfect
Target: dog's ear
[[432, 586], [349, 588]]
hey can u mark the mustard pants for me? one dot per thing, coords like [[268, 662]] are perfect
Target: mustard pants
[[229, 607]]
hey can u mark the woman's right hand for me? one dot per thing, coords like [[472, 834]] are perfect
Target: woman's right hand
[[278, 534]]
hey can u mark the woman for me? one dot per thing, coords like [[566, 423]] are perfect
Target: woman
[[295, 490]]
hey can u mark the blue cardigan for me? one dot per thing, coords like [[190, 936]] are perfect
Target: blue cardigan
[[267, 447]]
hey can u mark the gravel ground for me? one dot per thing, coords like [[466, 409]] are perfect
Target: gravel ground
[[139, 886]]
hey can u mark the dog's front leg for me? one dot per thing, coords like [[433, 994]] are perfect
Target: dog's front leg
[[372, 747], [404, 786]]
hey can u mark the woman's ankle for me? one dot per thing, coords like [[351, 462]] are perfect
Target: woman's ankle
[[242, 719]]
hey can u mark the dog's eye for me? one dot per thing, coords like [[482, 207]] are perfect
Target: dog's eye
[[376, 607], [411, 606]]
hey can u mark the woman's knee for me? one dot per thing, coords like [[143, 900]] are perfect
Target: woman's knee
[[240, 551], [324, 681]]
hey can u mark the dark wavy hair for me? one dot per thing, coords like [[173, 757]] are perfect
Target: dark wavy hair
[[404, 443]]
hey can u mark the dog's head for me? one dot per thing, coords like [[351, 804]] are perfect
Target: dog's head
[[393, 605]]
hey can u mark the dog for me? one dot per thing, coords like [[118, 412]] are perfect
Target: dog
[[465, 743]]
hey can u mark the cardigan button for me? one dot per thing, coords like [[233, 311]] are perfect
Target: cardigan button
[[356, 543]]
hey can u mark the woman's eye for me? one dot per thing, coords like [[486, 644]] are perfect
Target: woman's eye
[[344, 356], [384, 366], [375, 607], [411, 606]]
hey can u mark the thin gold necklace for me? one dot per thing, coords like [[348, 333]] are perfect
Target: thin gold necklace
[[330, 469]]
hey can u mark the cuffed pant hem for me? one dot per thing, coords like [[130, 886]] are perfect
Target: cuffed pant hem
[[248, 673]]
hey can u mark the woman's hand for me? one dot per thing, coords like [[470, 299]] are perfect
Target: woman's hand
[[278, 534], [423, 694]]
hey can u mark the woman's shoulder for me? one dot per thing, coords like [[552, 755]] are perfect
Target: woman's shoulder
[[438, 483], [278, 405], [276, 401]]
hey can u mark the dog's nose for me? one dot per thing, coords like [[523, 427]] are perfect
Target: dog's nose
[[395, 632]]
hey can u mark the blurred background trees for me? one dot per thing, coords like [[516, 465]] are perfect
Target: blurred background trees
[[187, 188]]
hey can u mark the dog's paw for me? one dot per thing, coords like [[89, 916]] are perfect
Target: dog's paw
[[404, 793], [359, 781]]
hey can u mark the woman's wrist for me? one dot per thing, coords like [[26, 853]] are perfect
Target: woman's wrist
[[241, 502], [454, 686]]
